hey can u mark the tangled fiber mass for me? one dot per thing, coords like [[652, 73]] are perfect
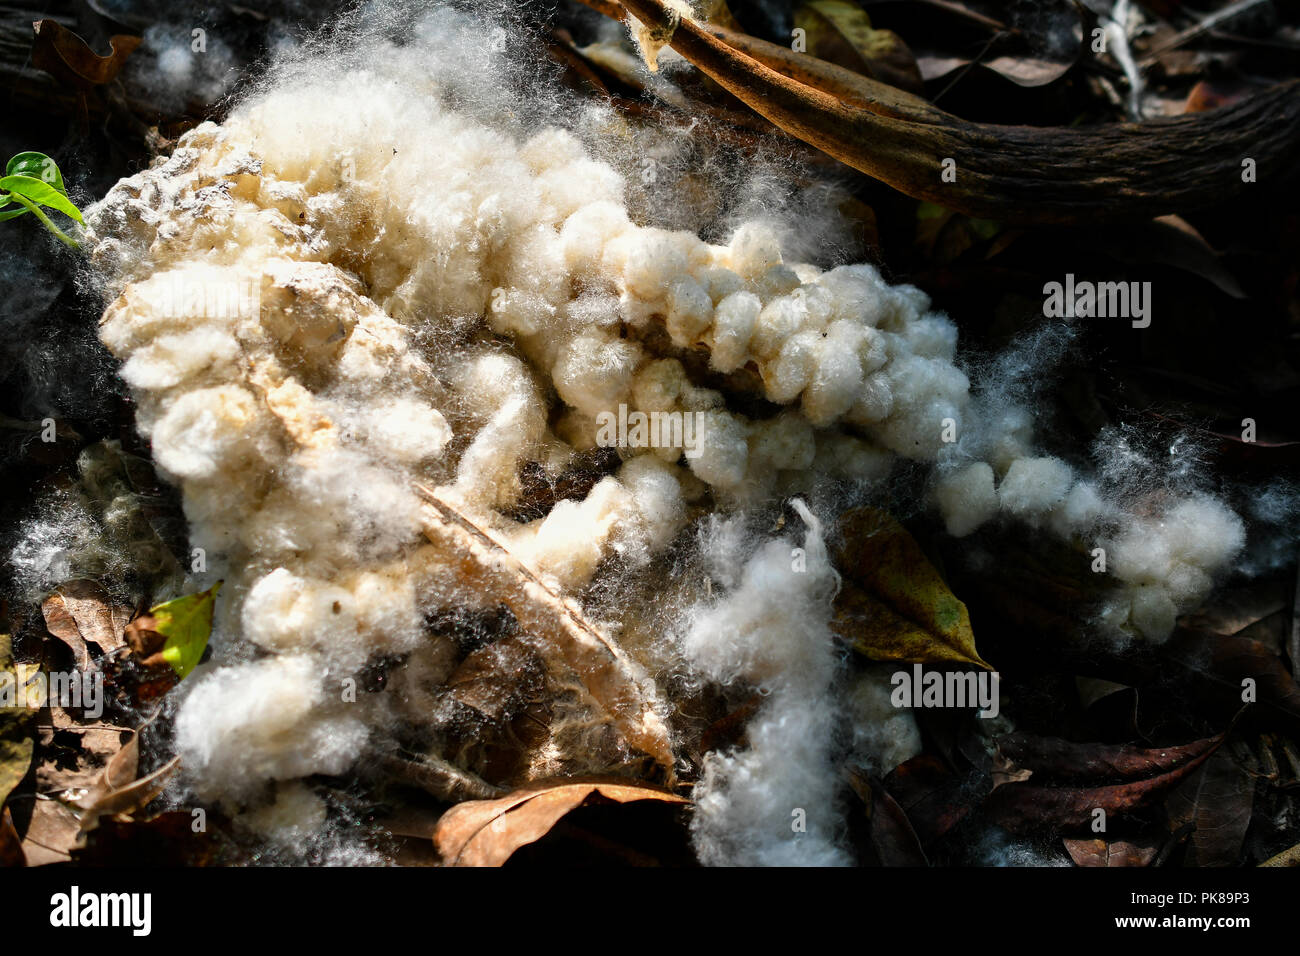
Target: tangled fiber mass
[[374, 274]]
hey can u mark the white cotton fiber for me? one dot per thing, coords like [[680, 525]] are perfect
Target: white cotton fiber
[[884, 736], [772, 803], [967, 498], [271, 720], [1167, 560], [294, 817], [209, 431], [1034, 486]]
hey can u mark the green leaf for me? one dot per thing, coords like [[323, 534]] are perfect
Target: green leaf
[[39, 191], [893, 604], [187, 624], [38, 166], [12, 213]]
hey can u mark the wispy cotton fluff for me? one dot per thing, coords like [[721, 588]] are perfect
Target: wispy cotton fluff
[[1162, 535], [773, 802], [390, 266]]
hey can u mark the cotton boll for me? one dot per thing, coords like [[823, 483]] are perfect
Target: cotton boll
[[929, 398], [577, 184], [836, 382], [655, 259], [1204, 532], [516, 312], [308, 307], [1187, 585], [589, 231], [1142, 553], [171, 301], [781, 318], [1008, 437], [720, 283], [933, 336], [658, 385], [690, 310], [754, 249], [784, 442], [793, 368], [552, 149], [701, 399], [723, 452], [534, 267], [744, 801], [874, 403], [733, 325], [171, 359], [778, 280], [435, 256], [594, 372], [772, 627], [569, 543], [900, 305], [406, 430], [1169, 561], [1034, 486], [283, 610], [497, 395], [488, 470], [376, 350], [1080, 511], [375, 507], [857, 293], [660, 510], [269, 720], [967, 498], [872, 349], [207, 432], [386, 607]]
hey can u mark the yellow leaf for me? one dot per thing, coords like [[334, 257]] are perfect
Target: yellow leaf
[[894, 605], [17, 724], [187, 624]]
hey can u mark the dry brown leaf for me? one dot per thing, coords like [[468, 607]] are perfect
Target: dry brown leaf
[[51, 833], [118, 791], [1026, 807], [70, 60], [1218, 801], [1102, 853], [81, 611], [72, 758], [487, 832], [128, 798]]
